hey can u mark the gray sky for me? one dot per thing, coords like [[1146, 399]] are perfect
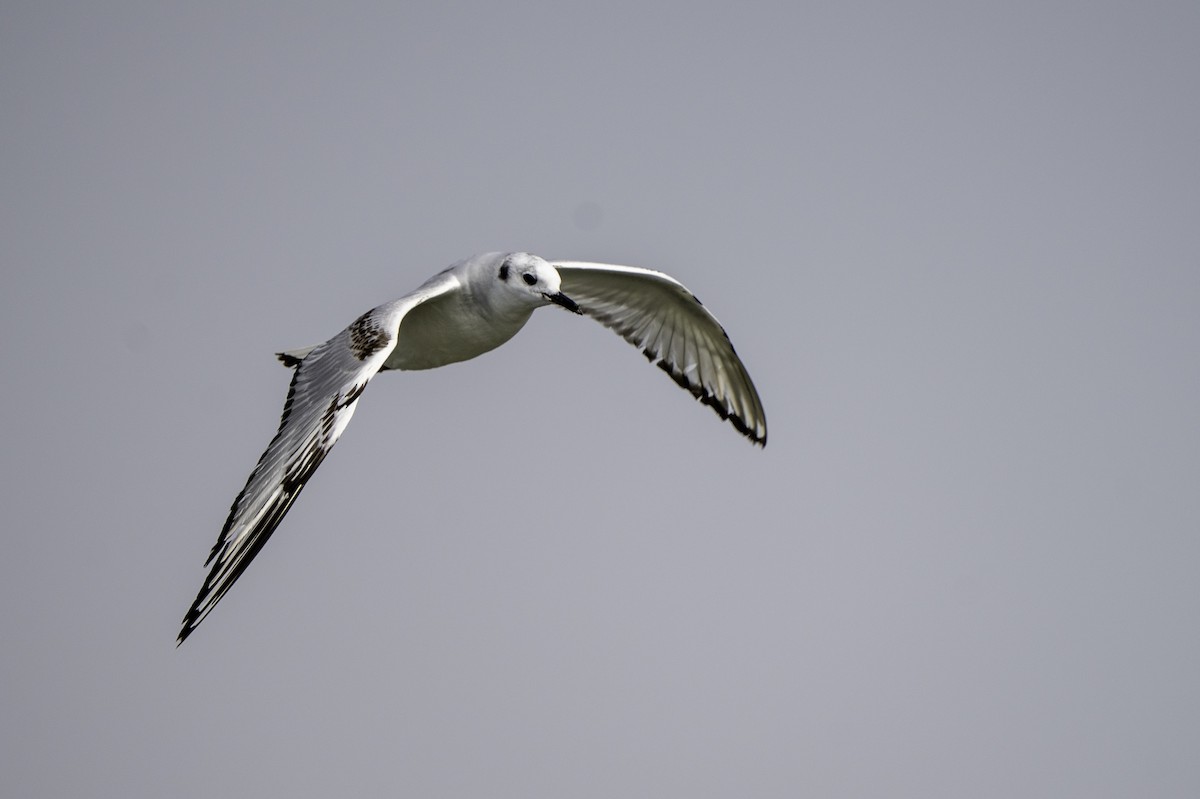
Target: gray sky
[[957, 246]]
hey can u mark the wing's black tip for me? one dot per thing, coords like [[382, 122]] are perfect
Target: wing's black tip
[[702, 395], [191, 621]]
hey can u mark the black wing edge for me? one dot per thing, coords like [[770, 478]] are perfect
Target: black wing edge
[[702, 395], [293, 482]]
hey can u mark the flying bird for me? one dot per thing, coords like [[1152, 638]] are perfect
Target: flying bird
[[463, 311]]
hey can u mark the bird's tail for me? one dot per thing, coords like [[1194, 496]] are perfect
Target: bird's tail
[[292, 358]]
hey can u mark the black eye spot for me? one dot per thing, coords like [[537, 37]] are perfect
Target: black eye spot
[[504, 271], [529, 279]]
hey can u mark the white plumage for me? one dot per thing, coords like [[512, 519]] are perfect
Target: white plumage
[[464, 311]]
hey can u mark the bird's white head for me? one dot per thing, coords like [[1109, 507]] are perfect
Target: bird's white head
[[533, 278]]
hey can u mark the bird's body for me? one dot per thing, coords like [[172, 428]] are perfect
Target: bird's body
[[464, 311], [461, 323]]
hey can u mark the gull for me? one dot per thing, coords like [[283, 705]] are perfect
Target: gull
[[461, 312]]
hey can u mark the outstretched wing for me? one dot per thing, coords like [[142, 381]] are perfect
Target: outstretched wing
[[325, 388], [658, 315]]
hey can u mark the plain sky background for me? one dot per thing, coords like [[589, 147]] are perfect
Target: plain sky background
[[956, 244]]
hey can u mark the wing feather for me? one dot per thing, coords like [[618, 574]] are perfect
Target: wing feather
[[658, 315], [321, 399]]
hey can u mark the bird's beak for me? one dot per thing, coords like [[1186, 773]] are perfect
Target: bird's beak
[[558, 298]]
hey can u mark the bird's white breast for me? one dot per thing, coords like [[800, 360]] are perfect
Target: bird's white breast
[[447, 330]]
